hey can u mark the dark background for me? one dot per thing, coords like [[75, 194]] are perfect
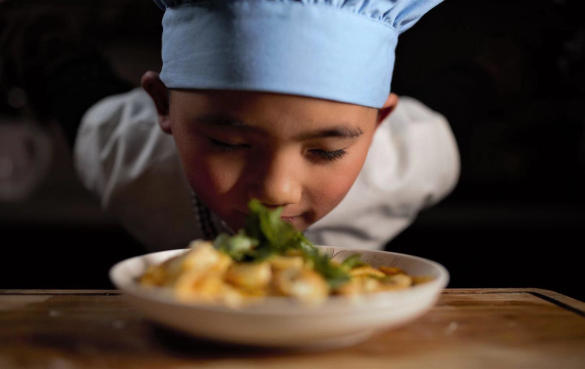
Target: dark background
[[508, 75]]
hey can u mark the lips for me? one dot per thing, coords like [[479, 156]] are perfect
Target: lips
[[288, 218]]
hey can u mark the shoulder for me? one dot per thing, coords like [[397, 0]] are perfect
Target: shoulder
[[414, 109], [132, 106], [411, 114]]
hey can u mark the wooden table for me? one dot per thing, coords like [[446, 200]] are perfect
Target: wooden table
[[483, 328]]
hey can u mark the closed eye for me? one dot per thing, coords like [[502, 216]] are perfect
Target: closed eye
[[322, 155], [225, 147]]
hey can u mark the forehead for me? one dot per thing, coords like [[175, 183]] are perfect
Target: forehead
[[263, 110]]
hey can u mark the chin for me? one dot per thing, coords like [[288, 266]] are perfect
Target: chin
[[299, 224]]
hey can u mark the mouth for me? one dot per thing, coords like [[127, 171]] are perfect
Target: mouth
[[289, 218]]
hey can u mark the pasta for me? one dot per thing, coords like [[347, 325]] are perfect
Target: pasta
[[268, 258]]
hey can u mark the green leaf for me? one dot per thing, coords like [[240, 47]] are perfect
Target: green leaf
[[352, 261], [237, 247], [266, 234]]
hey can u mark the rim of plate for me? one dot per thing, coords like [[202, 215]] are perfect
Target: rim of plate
[[275, 305]]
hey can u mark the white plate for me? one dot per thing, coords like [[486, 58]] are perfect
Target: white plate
[[280, 322]]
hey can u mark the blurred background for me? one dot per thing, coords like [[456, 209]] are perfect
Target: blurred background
[[509, 77]]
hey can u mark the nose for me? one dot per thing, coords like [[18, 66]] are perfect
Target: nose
[[277, 182]]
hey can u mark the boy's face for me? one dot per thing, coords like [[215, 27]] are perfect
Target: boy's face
[[297, 152], [300, 153]]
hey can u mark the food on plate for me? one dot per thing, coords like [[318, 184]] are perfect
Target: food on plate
[[268, 258]]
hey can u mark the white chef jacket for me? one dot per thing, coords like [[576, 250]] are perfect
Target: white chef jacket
[[123, 156]]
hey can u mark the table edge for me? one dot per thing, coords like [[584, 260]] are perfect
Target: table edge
[[556, 298]]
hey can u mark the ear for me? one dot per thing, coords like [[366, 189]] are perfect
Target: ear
[[159, 93], [388, 107]]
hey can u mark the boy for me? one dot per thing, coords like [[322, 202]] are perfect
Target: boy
[[285, 101]]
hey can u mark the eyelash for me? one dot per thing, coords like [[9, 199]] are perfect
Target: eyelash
[[320, 154], [329, 155], [225, 147]]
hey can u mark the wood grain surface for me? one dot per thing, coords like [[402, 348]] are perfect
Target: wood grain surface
[[483, 328]]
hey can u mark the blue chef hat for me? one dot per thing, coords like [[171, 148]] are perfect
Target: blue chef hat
[[340, 50]]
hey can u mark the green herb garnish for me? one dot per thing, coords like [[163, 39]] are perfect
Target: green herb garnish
[[238, 247], [353, 261], [266, 234]]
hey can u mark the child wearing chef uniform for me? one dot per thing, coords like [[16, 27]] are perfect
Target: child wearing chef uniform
[[285, 101]]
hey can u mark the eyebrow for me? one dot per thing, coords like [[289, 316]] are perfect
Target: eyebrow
[[218, 120], [342, 131]]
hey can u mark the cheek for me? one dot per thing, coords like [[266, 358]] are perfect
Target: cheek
[[328, 187], [212, 177]]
